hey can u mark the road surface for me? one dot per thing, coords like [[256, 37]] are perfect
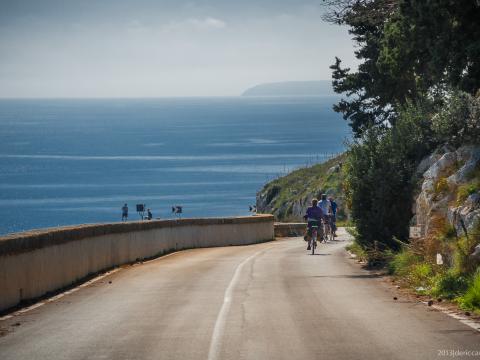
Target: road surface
[[265, 301]]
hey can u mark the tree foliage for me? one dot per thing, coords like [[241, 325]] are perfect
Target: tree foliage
[[407, 49], [367, 101], [380, 176], [458, 121], [413, 90], [444, 41]]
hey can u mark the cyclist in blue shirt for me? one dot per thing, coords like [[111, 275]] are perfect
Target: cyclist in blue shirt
[[333, 204]]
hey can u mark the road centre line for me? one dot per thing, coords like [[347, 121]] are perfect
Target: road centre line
[[214, 350]]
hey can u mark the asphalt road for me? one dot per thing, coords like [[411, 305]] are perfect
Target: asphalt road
[[265, 301]]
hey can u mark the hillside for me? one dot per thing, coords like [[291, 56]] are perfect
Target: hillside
[[292, 88], [288, 197]]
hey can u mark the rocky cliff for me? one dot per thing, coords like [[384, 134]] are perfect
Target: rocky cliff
[[450, 188], [450, 192], [289, 196]]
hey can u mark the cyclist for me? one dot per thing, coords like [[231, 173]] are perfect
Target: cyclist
[[334, 206], [313, 217], [326, 207]]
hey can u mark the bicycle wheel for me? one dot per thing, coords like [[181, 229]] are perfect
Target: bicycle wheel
[[332, 227], [314, 241]]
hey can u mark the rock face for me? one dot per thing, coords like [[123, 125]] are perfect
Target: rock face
[[476, 253], [447, 173], [288, 197], [291, 210]]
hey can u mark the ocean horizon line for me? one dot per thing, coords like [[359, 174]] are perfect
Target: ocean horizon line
[[162, 97]]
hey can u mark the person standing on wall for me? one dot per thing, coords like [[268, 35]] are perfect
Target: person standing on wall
[[125, 212]]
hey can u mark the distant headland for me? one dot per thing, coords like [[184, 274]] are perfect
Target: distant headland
[[291, 88]]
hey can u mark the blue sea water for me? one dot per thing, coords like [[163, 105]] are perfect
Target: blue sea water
[[78, 161]]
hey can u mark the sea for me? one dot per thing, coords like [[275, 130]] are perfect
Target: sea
[[77, 161]]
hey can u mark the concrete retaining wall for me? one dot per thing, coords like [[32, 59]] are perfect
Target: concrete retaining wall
[[37, 262], [289, 229]]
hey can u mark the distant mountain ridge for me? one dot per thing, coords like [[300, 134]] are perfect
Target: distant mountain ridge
[[291, 88]]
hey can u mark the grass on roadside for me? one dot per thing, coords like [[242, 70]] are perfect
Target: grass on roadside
[[357, 250], [441, 281], [344, 223], [354, 247], [471, 299], [457, 280]]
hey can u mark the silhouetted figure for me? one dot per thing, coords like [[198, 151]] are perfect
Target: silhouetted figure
[[124, 212], [149, 214]]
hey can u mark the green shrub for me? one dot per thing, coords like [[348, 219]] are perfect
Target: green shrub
[[449, 232], [282, 193], [421, 275], [463, 248], [352, 231], [441, 186], [356, 249], [449, 285], [343, 222], [475, 175], [272, 192], [458, 122], [471, 299], [401, 264], [464, 191], [380, 177]]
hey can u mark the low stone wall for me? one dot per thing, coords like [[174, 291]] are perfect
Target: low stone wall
[[37, 262], [289, 229]]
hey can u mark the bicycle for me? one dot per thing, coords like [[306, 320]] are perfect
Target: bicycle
[[327, 230], [313, 238], [311, 235]]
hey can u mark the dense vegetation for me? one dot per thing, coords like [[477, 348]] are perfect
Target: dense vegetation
[[288, 196], [417, 87]]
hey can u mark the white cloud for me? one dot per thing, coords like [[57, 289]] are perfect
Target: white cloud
[[212, 22], [195, 24]]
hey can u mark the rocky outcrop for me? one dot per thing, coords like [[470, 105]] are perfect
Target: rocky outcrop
[[476, 254], [290, 210], [446, 173], [288, 197], [466, 218]]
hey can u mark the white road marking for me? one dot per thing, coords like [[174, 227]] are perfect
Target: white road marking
[[463, 319], [214, 350]]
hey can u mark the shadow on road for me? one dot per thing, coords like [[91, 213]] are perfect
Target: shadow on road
[[360, 276], [459, 331]]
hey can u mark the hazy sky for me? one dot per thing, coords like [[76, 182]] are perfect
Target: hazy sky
[[120, 48]]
